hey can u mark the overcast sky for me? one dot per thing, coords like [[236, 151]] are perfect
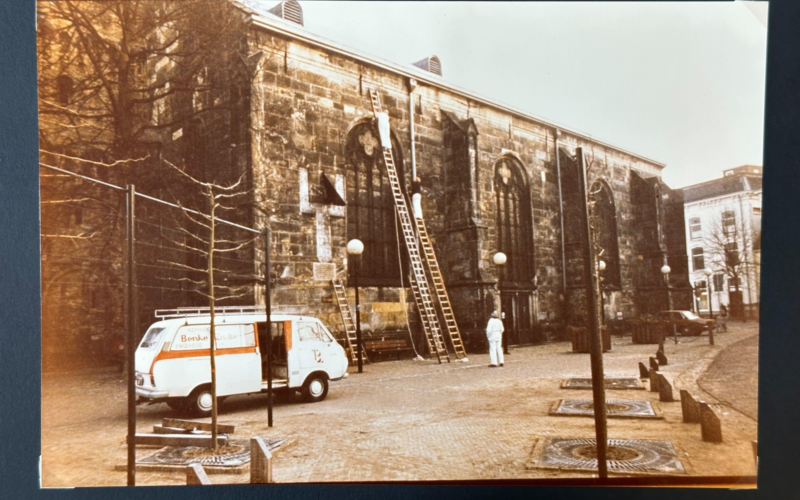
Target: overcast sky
[[681, 83]]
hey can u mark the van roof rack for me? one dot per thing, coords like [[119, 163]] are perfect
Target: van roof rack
[[183, 312]]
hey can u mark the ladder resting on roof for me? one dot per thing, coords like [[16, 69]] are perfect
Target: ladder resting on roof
[[441, 292], [419, 283]]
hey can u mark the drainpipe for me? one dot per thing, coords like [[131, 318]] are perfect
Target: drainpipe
[[561, 209], [412, 84], [747, 250]]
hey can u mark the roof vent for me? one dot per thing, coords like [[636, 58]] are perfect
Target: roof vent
[[289, 10], [430, 64]]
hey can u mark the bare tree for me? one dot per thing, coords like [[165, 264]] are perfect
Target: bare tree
[[117, 79], [729, 246], [202, 237]]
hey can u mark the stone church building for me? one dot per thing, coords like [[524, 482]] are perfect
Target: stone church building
[[493, 179]]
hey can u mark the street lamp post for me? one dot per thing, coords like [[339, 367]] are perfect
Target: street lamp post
[[354, 248], [499, 260], [708, 273], [601, 266], [665, 269]]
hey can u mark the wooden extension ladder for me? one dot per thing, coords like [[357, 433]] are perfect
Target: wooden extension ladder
[[441, 291], [419, 283], [340, 292]]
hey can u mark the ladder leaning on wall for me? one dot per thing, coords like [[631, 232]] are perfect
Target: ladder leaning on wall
[[419, 283], [340, 292], [441, 292]]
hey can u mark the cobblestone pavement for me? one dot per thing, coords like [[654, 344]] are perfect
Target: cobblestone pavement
[[417, 420]]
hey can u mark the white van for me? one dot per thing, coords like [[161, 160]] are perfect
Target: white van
[[173, 362]]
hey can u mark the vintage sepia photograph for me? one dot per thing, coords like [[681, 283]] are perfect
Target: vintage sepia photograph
[[400, 242]]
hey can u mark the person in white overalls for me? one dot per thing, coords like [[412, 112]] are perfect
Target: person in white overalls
[[494, 333], [416, 197]]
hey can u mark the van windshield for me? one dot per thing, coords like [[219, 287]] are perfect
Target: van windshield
[[152, 337]]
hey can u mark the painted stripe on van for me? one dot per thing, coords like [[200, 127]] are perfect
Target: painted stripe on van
[[199, 353]]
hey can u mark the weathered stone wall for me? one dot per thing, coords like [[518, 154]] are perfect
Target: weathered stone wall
[[304, 102], [281, 118]]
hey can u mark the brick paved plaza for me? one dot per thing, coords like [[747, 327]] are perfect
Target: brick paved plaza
[[416, 420]]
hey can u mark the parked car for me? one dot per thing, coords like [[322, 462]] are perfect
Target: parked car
[[685, 322]]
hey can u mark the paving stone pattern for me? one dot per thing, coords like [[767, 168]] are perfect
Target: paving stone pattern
[[404, 421]]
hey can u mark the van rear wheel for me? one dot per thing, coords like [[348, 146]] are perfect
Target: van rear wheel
[[315, 388], [199, 402]]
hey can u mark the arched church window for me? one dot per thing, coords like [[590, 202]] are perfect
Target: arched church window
[[371, 208], [514, 223], [604, 222]]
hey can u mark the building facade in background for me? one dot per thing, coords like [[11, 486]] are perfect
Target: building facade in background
[[723, 234], [290, 114]]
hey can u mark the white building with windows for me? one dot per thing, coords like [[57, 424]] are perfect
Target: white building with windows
[[723, 235]]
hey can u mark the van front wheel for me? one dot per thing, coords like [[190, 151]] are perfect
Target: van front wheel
[[199, 402], [315, 389]]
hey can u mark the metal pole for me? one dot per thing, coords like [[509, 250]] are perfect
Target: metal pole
[[669, 293], [268, 307], [710, 300], [131, 333], [596, 352], [561, 218], [358, 315], [669, 308]]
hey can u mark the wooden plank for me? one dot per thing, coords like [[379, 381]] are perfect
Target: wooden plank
[[178, 440], [201, 426], [160, 429]]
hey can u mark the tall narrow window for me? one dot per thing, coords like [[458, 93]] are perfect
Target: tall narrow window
[[695, 229], [728, 221], [604, 221], [370, 207], [659, 216], [514, 222], [698, 262], [474, 191], [719, 281], [731, 254]]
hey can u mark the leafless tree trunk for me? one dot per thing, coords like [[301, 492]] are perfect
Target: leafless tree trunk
[[207, 244], [729, 246]]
